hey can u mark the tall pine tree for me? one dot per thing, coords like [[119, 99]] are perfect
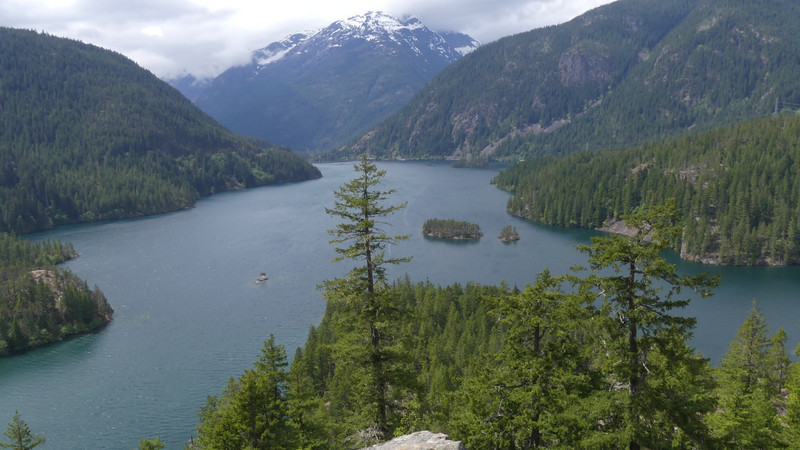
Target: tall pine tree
[[364, 303], [636, 291]]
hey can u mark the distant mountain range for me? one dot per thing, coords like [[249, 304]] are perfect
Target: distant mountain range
[[318, 90], [627, 73], [86, 134]]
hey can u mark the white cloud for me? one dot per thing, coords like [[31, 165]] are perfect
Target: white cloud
[[203, 37], [153, 30]]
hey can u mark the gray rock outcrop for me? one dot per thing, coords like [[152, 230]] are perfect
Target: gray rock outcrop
[[421, 440]]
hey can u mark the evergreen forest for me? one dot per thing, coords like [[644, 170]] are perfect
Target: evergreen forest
[[87, 135], [737, 190], [41, 303], [594, 358], [451, 229]]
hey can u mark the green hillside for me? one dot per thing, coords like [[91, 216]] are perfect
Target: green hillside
[[737, 188], [623, 74], [86, 134]]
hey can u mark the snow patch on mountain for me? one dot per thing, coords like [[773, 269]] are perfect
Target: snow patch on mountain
[[266, 58], [374, 27], [461, 42], [277, 50]]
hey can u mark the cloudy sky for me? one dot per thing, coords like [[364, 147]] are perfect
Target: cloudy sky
[[204, 37]]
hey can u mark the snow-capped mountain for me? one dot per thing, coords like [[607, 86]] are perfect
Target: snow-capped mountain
[[386, 32], [317, 90]]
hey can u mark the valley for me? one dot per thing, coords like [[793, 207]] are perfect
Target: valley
[[675, 122]]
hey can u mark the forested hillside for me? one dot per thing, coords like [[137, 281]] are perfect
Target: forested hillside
[[481, 379], [86, 134], [737, 189], [623, 74], [39, 302]]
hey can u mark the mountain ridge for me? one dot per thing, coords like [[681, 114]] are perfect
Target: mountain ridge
[[619, 75], [317, 90]]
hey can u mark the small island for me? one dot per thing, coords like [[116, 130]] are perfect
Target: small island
[[509, 234], [261, 279], [451, 229]]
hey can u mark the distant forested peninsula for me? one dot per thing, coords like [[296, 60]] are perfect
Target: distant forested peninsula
[[737, 190], [39, 302], [451, 229], [86, 135]]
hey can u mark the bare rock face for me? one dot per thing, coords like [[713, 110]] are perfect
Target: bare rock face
[[577, 69], [421, 440]]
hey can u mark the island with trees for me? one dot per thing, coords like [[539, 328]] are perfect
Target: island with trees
[[509, 234], [451, 229], [41, 303]]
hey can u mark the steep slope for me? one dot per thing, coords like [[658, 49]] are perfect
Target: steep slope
[[86, 134], [738, 189], [622, 74], [314, 91]]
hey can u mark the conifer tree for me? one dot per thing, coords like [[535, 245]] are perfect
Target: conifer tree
[[749, 387], [363, 299], [20, 435], [792, 420], [252, 411], [155, 444], [636, 298], [523, 395]]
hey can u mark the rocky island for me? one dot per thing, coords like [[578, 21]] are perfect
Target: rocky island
[[451, 229]]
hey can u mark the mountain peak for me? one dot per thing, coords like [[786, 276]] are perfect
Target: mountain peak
[[317, 90], [375, 27], [379, 21]]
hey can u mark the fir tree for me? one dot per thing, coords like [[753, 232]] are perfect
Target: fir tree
[[639, 327], [252, 411], [155, 444], [524, 395], [749, 387], [792, 420], [363, 299], [20, 435]]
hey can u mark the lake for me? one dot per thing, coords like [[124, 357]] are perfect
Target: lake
[[188, 315]]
